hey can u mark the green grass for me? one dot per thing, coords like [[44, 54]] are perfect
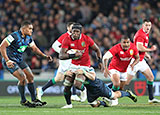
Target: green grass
[[10, 106]]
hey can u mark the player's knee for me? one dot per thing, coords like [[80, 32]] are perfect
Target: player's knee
[[79, 80], [22, 81], [68, 81]]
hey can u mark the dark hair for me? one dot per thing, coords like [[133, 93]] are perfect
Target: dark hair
[[125, 37], [26, 22], [69, 24], [146, 20], [77, 26]]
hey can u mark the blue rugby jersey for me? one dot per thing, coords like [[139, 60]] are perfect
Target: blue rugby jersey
[[17, 45]]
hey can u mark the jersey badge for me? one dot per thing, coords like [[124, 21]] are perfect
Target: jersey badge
[[83, 44], [131, 52], [72, 45]]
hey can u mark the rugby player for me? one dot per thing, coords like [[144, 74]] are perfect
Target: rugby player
[[12, 48]]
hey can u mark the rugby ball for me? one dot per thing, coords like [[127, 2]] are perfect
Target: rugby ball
[[73, 51]]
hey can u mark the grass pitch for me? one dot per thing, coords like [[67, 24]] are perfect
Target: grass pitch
[[10, 106]]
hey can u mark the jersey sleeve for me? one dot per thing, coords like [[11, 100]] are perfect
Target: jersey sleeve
[[60, 39], [114, 50], [90, 41], [9, 39], [65, 43], [140, 39], [135, 50]]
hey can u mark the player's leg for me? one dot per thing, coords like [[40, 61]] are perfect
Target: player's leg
[[59, 77], [150, 78], [68, 82], [18, 73], [129, 78], [74, 96], [78, 83], [30, 85], [115, 78]]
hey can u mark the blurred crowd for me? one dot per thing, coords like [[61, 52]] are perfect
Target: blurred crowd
[[105, 21]]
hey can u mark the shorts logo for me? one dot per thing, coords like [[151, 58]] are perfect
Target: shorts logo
[[140, 88], [131, 52], [83, 44]]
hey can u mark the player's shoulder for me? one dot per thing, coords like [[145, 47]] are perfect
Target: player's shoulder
[[140, 32]]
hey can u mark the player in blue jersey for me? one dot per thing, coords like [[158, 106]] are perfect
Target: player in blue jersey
[[12, 48], [97, 88]]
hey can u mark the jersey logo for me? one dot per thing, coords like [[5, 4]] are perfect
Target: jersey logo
[[83, 44], [72, 45], [121, 52], [131, 52], [22, 49], [147, 37], [146, 44]]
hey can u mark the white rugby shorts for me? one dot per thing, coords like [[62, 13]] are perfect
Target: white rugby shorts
[[140, 66], [64, 65], [122, 75]]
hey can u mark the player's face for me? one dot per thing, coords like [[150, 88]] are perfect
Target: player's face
[[28, 30], [147, 27], [70, 28], [76, 34], [125, 43]]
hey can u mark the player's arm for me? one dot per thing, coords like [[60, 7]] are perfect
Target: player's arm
[[3, 47], [36, 50], [5, 43], [89, 75], [108, 55], [63, 55], [98, 54], [137, 58], [57, 46], [141, 48]]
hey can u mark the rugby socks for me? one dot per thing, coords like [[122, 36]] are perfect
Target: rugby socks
[[48, 84], [103, 103], [82, 88], [125, 94], [32, 91], [150, 89], [73, 91], [21, 89], [67, 96], [115, 88]]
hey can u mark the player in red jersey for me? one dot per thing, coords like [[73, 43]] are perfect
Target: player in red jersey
[[141, 40], [121, 55], [80, 60], [63, 66]]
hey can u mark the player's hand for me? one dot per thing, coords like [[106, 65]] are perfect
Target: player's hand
[[49, 58], [78, 54], [10, 63], [100, 66], [69, 73], [154, 47], [132, 67], [148, 56], [79, 71], [106, 73]]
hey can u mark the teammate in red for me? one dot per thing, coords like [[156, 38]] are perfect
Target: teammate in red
[[141, 40], [80, 60], [122, 54]]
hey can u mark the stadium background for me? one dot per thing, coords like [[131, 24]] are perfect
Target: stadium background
[[104, 21]]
